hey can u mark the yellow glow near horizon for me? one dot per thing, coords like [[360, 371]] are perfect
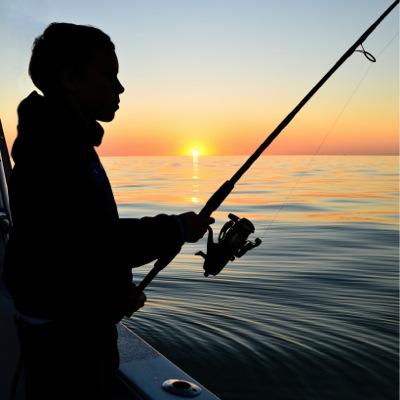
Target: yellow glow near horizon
[[195, 150]]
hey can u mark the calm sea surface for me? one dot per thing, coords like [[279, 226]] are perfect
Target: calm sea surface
[[310, 314]]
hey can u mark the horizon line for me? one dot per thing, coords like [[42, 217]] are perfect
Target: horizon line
[[262, 155]]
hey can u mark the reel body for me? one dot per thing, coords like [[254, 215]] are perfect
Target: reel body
[[232, 242]]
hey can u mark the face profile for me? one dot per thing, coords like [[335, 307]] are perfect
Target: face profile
[[95, 93]]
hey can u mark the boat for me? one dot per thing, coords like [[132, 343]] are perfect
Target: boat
[[144, 373]]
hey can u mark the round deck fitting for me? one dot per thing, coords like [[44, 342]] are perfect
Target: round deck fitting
[[181, 388]]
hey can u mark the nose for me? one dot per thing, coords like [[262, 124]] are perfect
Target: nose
[[120, 88]]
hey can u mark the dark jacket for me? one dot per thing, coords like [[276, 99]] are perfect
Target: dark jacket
[[69, 255]]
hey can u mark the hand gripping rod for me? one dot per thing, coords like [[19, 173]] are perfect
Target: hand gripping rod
[[226, 188]]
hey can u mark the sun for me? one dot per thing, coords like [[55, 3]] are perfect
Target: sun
[[195, 153], [195, 150]]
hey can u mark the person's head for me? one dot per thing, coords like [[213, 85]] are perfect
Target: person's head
[[79, 63]]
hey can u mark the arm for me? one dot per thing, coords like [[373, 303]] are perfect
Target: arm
[[147, 239]]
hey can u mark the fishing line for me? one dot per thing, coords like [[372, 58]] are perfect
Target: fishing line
[[371, 58]]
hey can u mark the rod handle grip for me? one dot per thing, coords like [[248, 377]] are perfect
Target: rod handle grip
[[159, 265], [217, 198]]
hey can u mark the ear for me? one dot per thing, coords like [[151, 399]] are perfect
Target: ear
[[70, 80]]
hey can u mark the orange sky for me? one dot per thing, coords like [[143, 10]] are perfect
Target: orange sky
[[367, 125]]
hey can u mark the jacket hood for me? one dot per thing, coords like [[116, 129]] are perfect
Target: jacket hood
[[50, 124]]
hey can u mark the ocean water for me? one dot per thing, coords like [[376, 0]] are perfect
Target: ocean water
[[312, 313]]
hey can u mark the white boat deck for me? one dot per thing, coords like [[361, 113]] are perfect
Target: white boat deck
[[142, 369]]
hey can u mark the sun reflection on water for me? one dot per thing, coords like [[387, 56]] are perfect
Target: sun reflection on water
[[195, 176]]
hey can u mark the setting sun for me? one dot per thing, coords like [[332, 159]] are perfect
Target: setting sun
[[195, 153], [195, 150]]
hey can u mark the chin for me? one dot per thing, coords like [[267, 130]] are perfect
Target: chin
[[106, 117]]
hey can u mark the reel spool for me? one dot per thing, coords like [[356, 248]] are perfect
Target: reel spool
[[232, 243]]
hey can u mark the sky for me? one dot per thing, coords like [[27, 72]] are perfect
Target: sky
[[218, 76]]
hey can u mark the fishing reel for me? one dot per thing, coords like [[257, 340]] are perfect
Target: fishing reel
[[232, 242]]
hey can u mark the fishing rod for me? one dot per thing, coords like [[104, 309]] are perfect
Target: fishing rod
[[232, 240]]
